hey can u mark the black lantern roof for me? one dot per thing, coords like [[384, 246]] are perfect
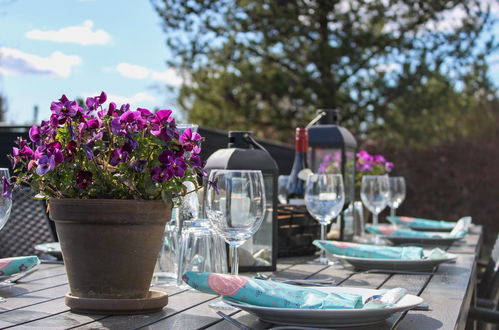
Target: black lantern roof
[[329, 134], [242, 156]]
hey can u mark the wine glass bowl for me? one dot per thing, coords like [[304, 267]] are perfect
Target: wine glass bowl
[[235, 206], [324, 198], [375, 191], [397, 193], [5, 202]]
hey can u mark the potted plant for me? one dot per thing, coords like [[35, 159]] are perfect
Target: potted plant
[[109, 174]]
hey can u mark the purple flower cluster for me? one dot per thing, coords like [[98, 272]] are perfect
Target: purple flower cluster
[[377, 164], [96, 146]]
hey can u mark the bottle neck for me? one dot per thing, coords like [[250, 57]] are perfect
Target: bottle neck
[[301, 140]]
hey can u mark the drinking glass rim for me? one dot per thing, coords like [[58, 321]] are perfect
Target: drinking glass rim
[[234, 170]]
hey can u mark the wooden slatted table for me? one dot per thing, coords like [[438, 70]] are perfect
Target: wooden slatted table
[[38, 300]]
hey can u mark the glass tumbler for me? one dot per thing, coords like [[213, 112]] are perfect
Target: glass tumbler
[[200, 250], [165, 273]]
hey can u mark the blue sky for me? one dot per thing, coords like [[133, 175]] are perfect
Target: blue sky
[[80, 47]]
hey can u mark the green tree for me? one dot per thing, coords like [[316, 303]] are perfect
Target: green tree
[[267, 65]]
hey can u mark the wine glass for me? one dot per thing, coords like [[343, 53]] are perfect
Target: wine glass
[[374, 193], [235, 206], [324, 198], [5, 202], [397, 193]]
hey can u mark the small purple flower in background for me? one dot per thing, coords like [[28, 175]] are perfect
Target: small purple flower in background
[[365, 167], [7, 189], [160, 174], [84, 179], [379, 159], [389, 166], [118, 156], [45, 164]]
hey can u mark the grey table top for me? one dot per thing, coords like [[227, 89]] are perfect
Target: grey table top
[[38, 300]]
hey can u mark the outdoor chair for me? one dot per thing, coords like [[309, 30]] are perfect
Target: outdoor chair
[[486, 310], [27, 226]]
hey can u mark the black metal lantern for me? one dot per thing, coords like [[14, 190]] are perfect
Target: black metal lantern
[[259, 253], [332, 149]]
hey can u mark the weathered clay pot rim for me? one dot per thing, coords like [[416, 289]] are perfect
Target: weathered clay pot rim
[[101, 211]]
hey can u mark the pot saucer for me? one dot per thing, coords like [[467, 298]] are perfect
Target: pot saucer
[[154, 302]]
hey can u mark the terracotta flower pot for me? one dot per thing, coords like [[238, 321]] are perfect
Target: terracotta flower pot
[[109, 246]]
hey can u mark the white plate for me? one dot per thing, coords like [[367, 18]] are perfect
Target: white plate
[[331, 317], [425, 241], [53, 249], [422, 265]]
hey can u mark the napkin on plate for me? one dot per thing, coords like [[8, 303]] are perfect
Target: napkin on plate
[[394, 231], [379, 252], [370, 251], [269, 293], [14, 265], [426, 223]]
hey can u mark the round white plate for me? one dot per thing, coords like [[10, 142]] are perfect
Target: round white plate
[[331, 317], [426, 241], [53, 249], [422, 265]]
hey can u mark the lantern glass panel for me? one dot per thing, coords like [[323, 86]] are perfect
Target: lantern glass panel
[[326, 160], [257, 251], [349, 177]]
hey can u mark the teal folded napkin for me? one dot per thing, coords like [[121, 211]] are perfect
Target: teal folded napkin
[[11, 266], [370, 251], [421, 223], [269, 293], [395, 231]]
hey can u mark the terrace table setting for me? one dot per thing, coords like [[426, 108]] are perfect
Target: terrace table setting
[[37, 300]]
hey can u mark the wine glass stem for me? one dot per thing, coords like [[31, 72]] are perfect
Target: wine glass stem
[[392, 211], [375, 219], [234, 268], [323, 238]]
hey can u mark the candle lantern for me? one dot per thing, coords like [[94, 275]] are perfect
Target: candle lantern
[[259, 253], [332, 149]]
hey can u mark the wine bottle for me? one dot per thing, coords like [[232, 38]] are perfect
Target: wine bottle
[[296, 186]]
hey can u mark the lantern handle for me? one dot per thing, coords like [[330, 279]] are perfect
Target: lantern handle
[[320, 114], [253, 142]]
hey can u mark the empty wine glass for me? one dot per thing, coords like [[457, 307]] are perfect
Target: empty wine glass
[[397, 193], [235, 206], [282, 189], [324, 198], [374, 193], [5, 202], [5, 205]]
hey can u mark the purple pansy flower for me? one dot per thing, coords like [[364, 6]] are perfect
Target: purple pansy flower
[[389, 166], [45, 164], [177, 166], [84, 179], [7, 189], [190, 141], [379, 159], [34, 134], [160, 174], [118, 156]]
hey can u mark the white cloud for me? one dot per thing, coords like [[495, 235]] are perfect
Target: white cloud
[[80, 34], [16, 62], [169, 76], [135, 100]]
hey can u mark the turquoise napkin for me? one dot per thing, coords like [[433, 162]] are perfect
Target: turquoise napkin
[[11, 266], [404, 232], [370, 251], [421, 223], [269, 293]]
